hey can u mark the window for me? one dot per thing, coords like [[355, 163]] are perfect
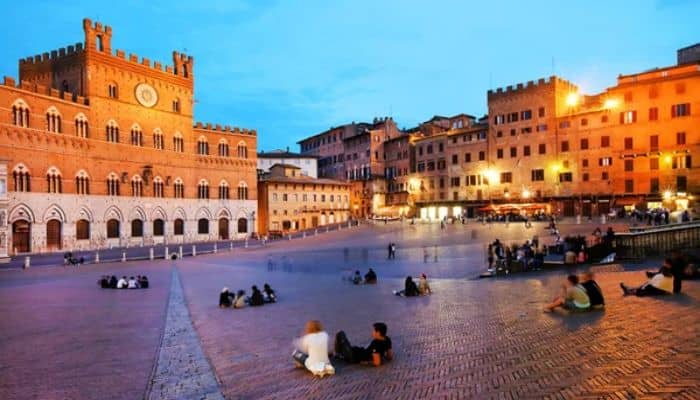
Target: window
[[585, 177], [680, 110], [242, 225], [513, 152], [654, 142], [541, 128], [542, 148], [564, 124], [564, 146], [584, 121], [526, 151], [242, 150], [178, 189], [526, 115], [223, 190], [654, 163], [203, 189], [441, 147], [158, 227], [81, 126], [242, 191], [605, 161], [681, 184], [506, 177], [176, 105], [499, 153], [653, 114], [112, 229], [136, 228], [499, 133], [178, 227], [82, 183], [628, 117], [629, 165], [112, 132], [584, 163], [584, 144], [454, 182], [512, 132], [680, 137], [136, 186], [112, 91], [629, 186], [467, 157], [21, 179], [654, 185], [604, 119], [202, 146], [158, 141], [527, 129], [20, 114], [113, 185], [441, 164], [284, 197], [82, 229], [203, 226], [605, 141], [455, 159], [178, 142], [482, 155], [537, 175], [540, 112], [682, 162], [158, 187], [429, 149], [604, 175], [53, 181], [629, 143], [223, 148], [53, 120], [136, 136], [566, 177]]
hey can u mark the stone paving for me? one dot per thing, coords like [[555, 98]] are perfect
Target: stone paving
[[472, 339]]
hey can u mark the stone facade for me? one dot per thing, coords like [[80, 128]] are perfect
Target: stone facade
[[95, 138], [308, 164]]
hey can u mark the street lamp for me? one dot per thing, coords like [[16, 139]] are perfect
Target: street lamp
[[572, 99], [611, 103]]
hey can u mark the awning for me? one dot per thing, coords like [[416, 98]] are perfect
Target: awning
[[626, 201]]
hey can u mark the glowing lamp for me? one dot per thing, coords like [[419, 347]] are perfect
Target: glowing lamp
[[611, 103], [572, 99], [668, 195], [526, 194]]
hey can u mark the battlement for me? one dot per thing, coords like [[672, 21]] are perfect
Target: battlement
[[542, 83], [10, 82], [224, 129], [53, 55]]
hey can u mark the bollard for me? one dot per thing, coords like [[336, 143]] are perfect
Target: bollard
[[194, 250], [215, 248], [289, 237], [603, 219], [327, 229], [578, 219], [246, 243], [231, 247], [27, 262], [97, 257], [123, 256], [150, 254], [340, 227], [166, 253], [179, 253], [315, 232], [303, 235]]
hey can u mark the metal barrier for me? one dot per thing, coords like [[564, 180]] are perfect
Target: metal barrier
[[657, 241]]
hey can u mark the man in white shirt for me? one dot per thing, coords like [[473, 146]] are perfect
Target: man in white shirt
[[122, 283], [132, 283], [659, 284]]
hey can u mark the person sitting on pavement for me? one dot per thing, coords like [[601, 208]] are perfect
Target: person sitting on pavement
[[143, 282], [371, 277], [122, 283], [379, 350], [311, 350], [240, 300], [132, 283], [423, 286], [269, 294], [595, 294], [256, 299], [410, 288], [113, 282], [660, 284], [572, 298], [225, 298], [357, 278], [104, 282]]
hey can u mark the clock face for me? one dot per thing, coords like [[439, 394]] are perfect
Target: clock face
[[146, 95]]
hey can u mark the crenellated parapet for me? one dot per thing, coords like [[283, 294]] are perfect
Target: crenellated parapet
[[531, 86], [224, 129], [33, 87]]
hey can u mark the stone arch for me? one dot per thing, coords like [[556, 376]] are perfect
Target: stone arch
[[21, 211], [54, 211], [53, 111], [137, 213], [203, 212], [84, 213], [179, 212], [20, 167], [136, 127], [223, 212], [159, 213], [112, 124], [20, 103], [113, 212], [80, 117], [82, 174]]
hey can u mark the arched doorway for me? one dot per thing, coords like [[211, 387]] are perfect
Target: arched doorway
[[323, 219], [223, 228], [53, 234], [21, 236], [242, 225], [331, 218]]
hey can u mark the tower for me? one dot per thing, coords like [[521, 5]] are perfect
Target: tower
[[97, 37], [183, 64]]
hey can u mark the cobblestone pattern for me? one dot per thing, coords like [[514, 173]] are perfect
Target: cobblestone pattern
[[182, 370], [472, 339]]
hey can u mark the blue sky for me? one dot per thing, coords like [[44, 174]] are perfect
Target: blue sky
[[291, 69]]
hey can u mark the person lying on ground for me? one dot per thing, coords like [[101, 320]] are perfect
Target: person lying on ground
[[379, 350], [371, 277], [423, 286], [269, 294], [595, 294], [256, 299], [311, 350], [660, 284], [573, 297]]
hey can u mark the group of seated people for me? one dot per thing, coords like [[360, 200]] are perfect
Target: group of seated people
[[370, 278], [312, 351], [111, 282], [411, 289], [578, 294], [69, 259], [240, 300], [528, 255]]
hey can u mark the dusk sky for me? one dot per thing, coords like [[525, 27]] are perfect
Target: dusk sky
[[291, 69]]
